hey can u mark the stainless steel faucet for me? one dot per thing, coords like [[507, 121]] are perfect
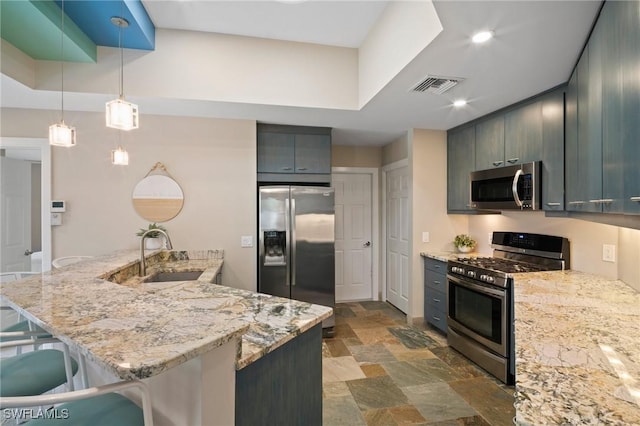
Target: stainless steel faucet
[[168, 246]]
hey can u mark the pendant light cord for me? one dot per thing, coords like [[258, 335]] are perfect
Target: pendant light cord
[[62, 63], [121, 23]]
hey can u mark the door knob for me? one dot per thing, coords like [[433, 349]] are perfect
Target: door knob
[[367, 244], [28, 252]]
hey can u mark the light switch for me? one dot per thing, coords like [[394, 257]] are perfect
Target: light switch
[[425, 237], [246, 241]]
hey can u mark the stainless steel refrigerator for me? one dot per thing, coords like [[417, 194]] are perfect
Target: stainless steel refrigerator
[[296, 245]]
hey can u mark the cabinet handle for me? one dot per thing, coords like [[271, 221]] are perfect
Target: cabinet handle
[[436, 300], [435, 317], [471, 205], [437, 282], [553, 204], [634, 198], [602, 201], [302, 168], [287, 168], [576, 202], [512, 160], [497, 163], [436, 266]]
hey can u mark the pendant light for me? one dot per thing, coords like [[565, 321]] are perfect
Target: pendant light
[[119, 157], [121, 114], [61, 134]]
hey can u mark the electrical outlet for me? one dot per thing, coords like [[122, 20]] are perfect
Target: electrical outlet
[[608, 253], [490, 238], [425, 237]]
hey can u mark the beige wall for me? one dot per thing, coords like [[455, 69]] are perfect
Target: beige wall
[[396, 150], [213, 160], [428, 168], [356, 156]]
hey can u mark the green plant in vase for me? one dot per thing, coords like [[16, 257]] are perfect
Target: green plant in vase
[[464, 243]]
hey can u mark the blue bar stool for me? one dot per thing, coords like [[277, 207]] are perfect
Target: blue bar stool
[[96, 406]]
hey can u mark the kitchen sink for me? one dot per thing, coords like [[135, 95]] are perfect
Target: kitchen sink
[[161, 277]]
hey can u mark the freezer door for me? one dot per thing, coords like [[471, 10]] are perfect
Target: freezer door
[[313, 255], [274, 246]]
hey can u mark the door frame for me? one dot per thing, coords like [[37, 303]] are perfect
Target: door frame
[[386, 169], [375, 225], [45, 191]]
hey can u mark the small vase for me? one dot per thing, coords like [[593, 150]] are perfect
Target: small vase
[[464, 249], [153, 243]]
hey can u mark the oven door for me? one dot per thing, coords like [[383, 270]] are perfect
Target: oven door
[[480, 312]]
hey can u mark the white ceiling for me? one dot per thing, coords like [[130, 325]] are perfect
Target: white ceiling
[[536, 45]]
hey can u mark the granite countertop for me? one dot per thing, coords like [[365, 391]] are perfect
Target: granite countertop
[[138, 330], [577, 350], [445, 256]]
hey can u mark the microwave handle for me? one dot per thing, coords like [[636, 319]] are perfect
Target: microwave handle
[[514, 188]]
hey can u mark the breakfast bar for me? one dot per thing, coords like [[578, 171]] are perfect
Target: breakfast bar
[[187, 338]]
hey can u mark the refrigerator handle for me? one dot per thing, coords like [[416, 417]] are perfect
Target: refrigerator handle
[[292, 242], [287, 229]]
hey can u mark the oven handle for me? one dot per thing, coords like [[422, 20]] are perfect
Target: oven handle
[[514, 188], [478, 287]]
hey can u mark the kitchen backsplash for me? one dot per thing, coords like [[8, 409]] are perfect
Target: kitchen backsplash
[[586, 238]]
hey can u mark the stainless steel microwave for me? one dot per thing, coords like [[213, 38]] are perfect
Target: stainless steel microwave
[[514, 187]]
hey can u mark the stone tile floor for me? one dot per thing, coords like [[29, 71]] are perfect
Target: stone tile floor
[[378, 370]]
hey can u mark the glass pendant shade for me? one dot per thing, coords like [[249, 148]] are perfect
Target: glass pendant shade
[[62, 135], [122, 115], [120, 157]]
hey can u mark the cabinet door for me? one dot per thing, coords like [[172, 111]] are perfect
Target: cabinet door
[[313, 154], [572, 183], [523, 134], [612, 125], [629, 19], [460, 162], [590, 139], [275, 152], [490, 143], [582, 158], [553, 151]]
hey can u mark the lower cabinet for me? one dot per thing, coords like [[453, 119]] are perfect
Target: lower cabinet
[[283, 387], [435, 293]]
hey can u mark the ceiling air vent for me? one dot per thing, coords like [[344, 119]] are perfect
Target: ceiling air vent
[[435, 84]]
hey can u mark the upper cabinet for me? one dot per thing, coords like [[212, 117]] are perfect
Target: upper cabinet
[[603, 110], [490, 143], [460, 162], [291, 154], [523, 134]]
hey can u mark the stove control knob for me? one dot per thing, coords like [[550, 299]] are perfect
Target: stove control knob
[[490, 279], [483, 277], [471, 274]]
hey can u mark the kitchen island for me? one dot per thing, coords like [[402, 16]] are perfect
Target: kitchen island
[[577, 340], [187, 339]]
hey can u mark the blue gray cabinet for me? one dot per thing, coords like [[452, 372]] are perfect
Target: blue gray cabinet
[[629, 30], [435, 293], [523, 134], [552, 110], [490, 143], [603, 155], [293, 154], [460, 162]]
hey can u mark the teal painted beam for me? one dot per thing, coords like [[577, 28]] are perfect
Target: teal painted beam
[[35, 26]]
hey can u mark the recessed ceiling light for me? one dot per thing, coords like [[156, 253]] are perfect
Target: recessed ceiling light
[[459, 103], [482, 36]]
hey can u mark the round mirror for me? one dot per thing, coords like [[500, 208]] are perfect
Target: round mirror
[[158, 198]]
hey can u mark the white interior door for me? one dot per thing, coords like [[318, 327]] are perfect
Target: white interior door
[[353, 233], [397, 238], [15, 197]]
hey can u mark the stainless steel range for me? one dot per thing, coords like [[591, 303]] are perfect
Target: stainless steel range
[[480, 296]]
